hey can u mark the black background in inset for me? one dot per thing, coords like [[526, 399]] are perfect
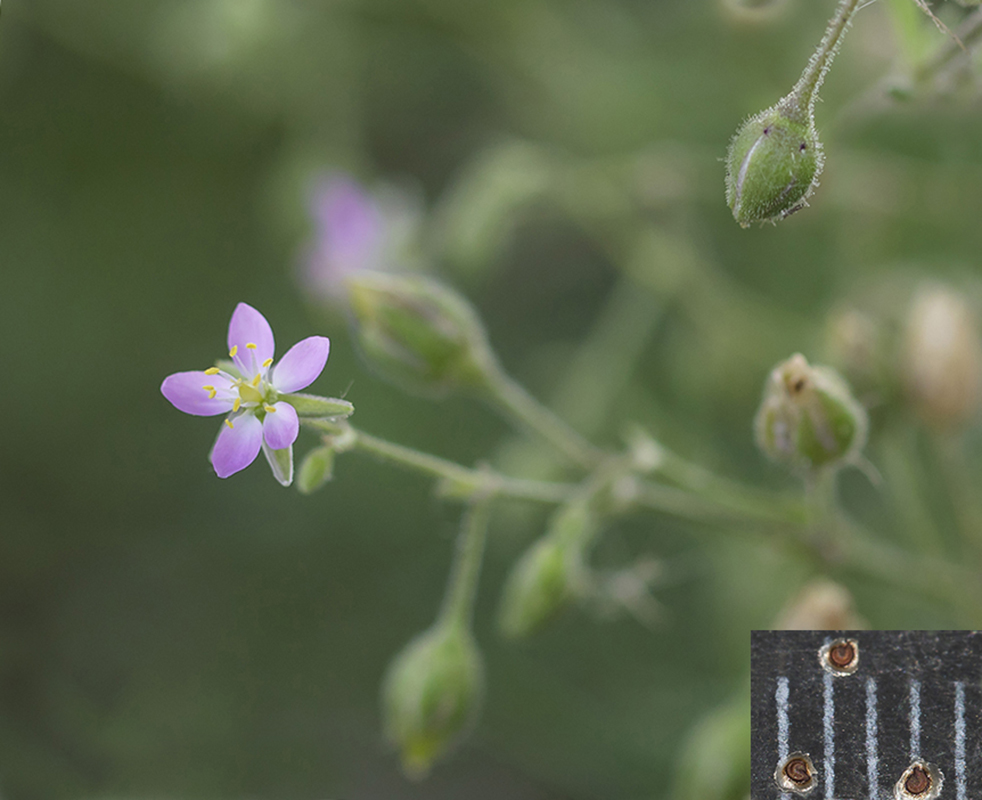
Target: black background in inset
[[937, 659]]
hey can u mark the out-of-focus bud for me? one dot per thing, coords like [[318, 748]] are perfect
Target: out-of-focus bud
[[432, 694], [316, 469], [550, 573], [419, 333], [942, 358], [856, 343], [821, 605], [715, 761], [808, 417], [772, 165], [539, 586]]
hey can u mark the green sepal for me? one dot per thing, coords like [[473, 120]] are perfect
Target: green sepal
[[310, 405], [280, 462], [316, 469]]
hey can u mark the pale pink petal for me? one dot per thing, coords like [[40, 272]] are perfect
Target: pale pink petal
[[247, 327], [280, 428], [237, 447], [301, 365], [186, 392]]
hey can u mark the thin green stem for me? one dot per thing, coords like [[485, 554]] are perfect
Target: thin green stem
[[511, 397], [458, 602], [462, 480], [805, 91]]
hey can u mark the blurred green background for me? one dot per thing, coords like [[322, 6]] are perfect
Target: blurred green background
[[164, 633]]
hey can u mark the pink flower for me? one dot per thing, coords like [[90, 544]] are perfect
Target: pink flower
[[254, 394]]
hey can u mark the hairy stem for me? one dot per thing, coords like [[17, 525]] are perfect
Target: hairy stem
[[511, 397], [464, 479], [458, 602], [806, 89]]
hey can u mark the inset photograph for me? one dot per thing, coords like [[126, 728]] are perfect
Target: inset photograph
[[877, 715]]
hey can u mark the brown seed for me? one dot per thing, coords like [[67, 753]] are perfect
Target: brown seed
[[797, 771], [918, 781], [842, 654]]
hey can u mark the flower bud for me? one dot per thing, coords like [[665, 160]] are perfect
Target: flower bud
[[808, 417], [538, 587], [942, 358], [419, 333], [550, 573], [772, 165], [432, 694], [316, 469]]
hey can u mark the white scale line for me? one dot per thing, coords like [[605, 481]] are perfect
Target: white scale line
[[781, 697], [871, 740], [915, 720], [829, 720], [960, 741]]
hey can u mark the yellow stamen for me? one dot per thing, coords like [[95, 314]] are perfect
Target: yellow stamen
[[211, 391], [208, 387], [255, 381], [270, 409], [212, 371], [267, 362], [229, 423], [233, 351], [251, 346], [236, 403]]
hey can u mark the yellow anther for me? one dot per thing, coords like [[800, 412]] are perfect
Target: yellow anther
[[267, 362], [233, 351], [212, 371], [208, 387], [236, 403], [255, 381], [229, 423], [270, 409], [251, 346], [211, 394]]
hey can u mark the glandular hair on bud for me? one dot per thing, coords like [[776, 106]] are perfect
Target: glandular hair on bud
[[942, 358], [772, 165], [432, 694], [418, 332], [808, 418]]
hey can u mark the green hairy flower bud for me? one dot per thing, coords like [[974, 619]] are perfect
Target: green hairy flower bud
[[419, 333], [316, 469], [775, 157], [550, 573], [432, 694], [772, 167], [808, 417], [539, 586]]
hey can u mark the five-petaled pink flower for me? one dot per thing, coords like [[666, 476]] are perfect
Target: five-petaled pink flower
[[259, 416]]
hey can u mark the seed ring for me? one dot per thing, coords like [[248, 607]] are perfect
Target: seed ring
[[840, 657]]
